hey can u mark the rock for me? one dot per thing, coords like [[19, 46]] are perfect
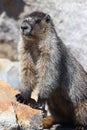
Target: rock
[[9, 37], [13, 75], [7, 114], [9, 72], [14, 115], [4, 63], [13, 9], [28, 118], [4, 53]]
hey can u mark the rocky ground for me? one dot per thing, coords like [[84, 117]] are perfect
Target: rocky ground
[[13, 115], [70, 19], [17, 116]]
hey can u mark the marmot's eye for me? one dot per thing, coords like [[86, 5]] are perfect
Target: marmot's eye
[[38, 21]]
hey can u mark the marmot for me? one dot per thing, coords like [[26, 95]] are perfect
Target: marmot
[[48, 65]]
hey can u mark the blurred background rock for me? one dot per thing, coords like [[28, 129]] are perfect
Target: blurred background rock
[[70, 19]]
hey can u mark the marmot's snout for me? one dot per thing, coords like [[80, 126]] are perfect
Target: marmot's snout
[[26, 28]]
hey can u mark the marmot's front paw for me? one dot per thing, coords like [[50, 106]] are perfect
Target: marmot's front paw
[[37, 105], [40, 104], [23, 98]]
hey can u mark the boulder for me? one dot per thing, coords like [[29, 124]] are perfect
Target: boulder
[[7, 114], [9, 37], [13, 9], [15, 116], [9, 72]]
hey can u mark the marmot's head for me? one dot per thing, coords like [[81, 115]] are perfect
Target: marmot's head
[[36, 25]]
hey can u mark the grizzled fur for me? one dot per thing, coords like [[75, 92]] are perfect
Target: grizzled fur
[[46, 64]]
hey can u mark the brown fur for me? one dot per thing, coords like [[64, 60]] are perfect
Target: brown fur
[[48, 66]]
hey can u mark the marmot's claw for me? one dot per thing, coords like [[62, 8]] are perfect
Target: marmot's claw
[[21, 99], [40, 104], [36, 106]]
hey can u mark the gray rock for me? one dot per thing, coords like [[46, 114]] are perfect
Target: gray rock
[[9, 37], [13, 75], [9, 72], [8, 29], [8, 120], [13, 8]]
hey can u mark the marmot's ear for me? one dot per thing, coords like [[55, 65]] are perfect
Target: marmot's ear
[[47, 18]]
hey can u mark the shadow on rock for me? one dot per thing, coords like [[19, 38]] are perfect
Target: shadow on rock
[[13, 8]]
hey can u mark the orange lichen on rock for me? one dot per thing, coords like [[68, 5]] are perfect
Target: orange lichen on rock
[[10, 109]]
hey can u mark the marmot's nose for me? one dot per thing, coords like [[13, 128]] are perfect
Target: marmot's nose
[[25, 25]]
